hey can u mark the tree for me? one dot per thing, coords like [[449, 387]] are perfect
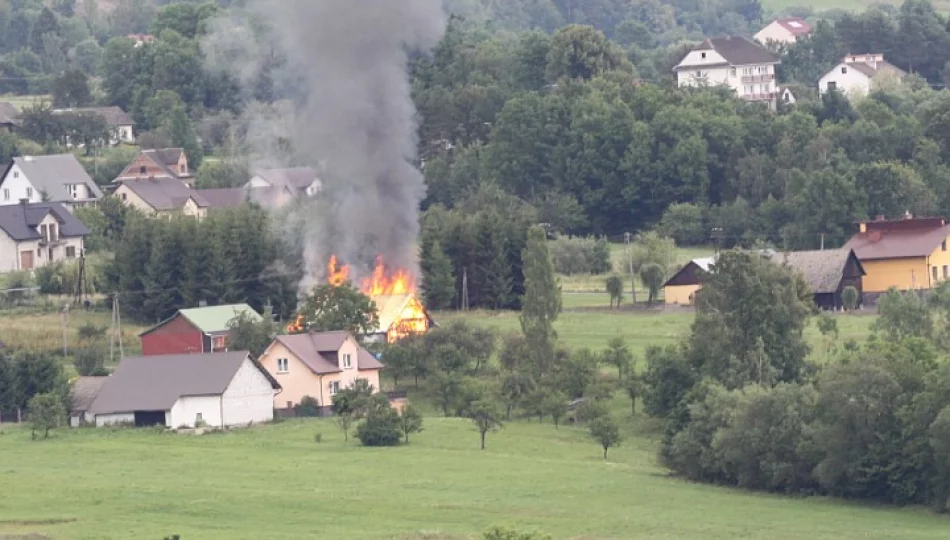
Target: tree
[[355, 399], [850, 298], [669, 376], [246, 333], [940, 442], [653, 276], [555, 405], [903, 315], [181, 132], [410, 421], [485, 415], [515, 387], [618, 355], [46, 412], [605, 431], [9, 390], [46, 24], [542, 299], [615, 290], [634, 387], [381, 426], [580, 52], [330, 308], [37, 374], [345, 422], [89, 362], [438, 283], [71, 89]]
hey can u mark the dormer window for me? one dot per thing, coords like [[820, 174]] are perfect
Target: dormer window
[[143, 169], [703, 55], [347, 361], [844, 70]]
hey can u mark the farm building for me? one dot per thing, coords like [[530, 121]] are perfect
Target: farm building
[[682, 286], [827, 272], [399, 316], [909, 253], [195, 330], [82, 392], [215, 390]]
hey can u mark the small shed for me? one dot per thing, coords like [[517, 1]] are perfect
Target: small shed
[[828, 272], [682, 286], [82, 392], [400, 315], [195, 330], [214, 390]]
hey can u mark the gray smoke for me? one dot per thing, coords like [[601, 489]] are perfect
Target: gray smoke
[[353, 119]]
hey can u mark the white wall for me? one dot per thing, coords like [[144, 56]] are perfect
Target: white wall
[[17, 183], [249, 397], [9, 254], [775, 32], [125, 134], [112, 419], [258, 182], [850, 83], [186, 409], [702, 58], [739, 78]]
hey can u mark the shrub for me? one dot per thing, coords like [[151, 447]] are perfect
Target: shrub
[[90, 362], [683, 222], [308, 407], [89, 331], [380, 427], [577, 255]]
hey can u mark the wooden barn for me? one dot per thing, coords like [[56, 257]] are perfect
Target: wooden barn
[[682, 286], [194, 331], [827, 272]]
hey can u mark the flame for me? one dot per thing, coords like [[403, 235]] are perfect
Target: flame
[[412, 320], [337, 275], [297, 326], [385, 281]]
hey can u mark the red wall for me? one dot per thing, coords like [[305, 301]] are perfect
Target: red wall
[[177, 336]]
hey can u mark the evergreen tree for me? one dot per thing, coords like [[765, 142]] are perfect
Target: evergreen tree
[[438, 280], [542, 299], [494, 272], [8, 383], [163, 278], [128, 272], [46, 23], [182, 134]]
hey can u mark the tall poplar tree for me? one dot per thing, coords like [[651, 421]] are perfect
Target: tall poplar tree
[[542, 299]]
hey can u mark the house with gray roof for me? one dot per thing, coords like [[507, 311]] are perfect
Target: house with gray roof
[[828, 272], [58, 179], [82, 392], [36, 234], [219, 390], [9, 116], [276, 187], [161, 196], [734, 62], [118, 121]]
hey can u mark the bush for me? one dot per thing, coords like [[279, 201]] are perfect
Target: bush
[[683, 222], [308, 407], [576, 255], [381, 426], [90, 362]]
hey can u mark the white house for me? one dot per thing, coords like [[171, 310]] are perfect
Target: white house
[[275, 187], [120, 123], [58, 178], [736, 62], [859, 74], [37, 234], [784, 30], [214, 390]]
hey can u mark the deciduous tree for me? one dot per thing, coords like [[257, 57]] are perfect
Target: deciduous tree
[[46, 412], [329, 308], [485, 415], [606, 432]]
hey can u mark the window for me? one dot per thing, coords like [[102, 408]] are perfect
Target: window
[[16, 174], [943, 245], [143, 169], [946, 271], [29, 193], [935, 273], [71, 252], [220, 343], [6, 194], [832, 86], [290, 404], [747, 71], [124, 197], [844, 70], [44, 232], [749, 89], [347, 361], [334, 388], [699, 74], [283, 366], [732, 72], [766, 88], [199, 419], [53, 233]]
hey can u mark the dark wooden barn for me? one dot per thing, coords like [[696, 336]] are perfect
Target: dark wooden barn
[[828, 272]]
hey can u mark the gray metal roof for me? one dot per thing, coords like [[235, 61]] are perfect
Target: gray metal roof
[[164, 193], [223, 197], [20, 221], [84, 391], [155, 383], [114, 116], [51, 175], [9, 114]]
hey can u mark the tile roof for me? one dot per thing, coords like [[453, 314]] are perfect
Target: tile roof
[[163, 193], [167, 159], [211, 319], [155, 383], [9, 114], [738, 50], [223, 197], [822, 270], [20, 221], [871, 70], [114, 116], [83, 392], [795, 25], [318, 351], [51, 175], [898, 239]]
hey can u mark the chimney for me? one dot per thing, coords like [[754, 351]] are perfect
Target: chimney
[[875, 236], [908, 215]]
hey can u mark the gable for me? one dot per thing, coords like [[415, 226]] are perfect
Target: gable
[[691, 274], [297, 366], [176, 324]]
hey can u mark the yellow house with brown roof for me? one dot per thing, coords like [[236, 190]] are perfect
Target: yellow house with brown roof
[[909, 253]]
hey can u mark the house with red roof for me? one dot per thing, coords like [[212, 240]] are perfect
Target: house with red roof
[[784, 30]]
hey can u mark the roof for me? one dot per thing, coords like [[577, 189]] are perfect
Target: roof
[[163, 193], [9, 114], [795, 25], [738, 51], [51, 175], [703, 264], [223, 197], [870, 70], [299, 178], [391, 307], [83, 392], [318, 351], [20, 221], [899, 239], [212, 319], [155, 383], [822, 269], [167, 159], [114, 116]]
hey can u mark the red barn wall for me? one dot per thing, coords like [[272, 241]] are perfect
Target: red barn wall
[[177, 336]]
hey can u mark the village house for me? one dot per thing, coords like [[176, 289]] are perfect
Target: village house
[[735, 62], [82, 392], [908, 253], [195, 330], [859, 74], [318, 365], [58, 179], [9, 116], [118, 121], [36, 234], [184, 391], [784, 30], [399, 315], [164, 163], [682, 286], [162, 197], [276, 187]]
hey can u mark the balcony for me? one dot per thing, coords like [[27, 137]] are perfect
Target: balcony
[[749, 79], [769, 96]]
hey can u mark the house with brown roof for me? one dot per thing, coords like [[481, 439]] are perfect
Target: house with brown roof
[[318, 365], [163, 163], [859, 74], [735, 62], [9, 116], [908, 253], [827, 272], [783, 30], [162, 196], [276, 187], [682, 286]]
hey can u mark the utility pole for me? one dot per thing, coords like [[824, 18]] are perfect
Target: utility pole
[[65, 319], [822, 241], [628, 252], [464, 303], [717, 234]]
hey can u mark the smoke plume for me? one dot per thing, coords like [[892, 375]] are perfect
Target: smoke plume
[[344, 69]]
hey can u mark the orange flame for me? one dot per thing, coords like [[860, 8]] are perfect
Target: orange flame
[[337, 275], [385, 281]]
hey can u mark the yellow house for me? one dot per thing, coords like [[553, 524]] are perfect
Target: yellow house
[[682, 286], [317, 365], [162, 197], [909, 253]]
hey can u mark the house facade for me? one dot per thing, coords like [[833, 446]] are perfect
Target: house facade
[[163, 163], [277, 187], [317, 365], [57, 179], [38, 234], [859, 74], [201, 330], [746, 67], [682, 286], [909, 253], [217, 390], [161, 196], [784, 30], [120, 123]]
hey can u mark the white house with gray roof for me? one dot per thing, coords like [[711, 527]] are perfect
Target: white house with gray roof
[[55, 179], [34, 235], [736, 62], [858, 74]]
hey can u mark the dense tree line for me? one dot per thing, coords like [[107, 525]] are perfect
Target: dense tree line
[[743, 407], [230, 256], [25, 374]]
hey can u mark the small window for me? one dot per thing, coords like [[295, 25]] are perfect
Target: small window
[[943, 245], [290, 404], [283, 365], [732, 72], [16, 174], [334, 388], [220, 343], [123, 197], [142, 169], [699, 74], [935, 273], [703, 55], [844, 70], [946, 271], [6, 194], [832, 86], [29, 193], [71, 253], [199, 418], [347, 361]]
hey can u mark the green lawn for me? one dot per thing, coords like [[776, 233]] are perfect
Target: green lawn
[[275, 482], [23, 102]]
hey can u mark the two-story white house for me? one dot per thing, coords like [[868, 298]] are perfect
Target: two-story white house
[[55, 179], [37, 234], [734, 61], [858, 74]]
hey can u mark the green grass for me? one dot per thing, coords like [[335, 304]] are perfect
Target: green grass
[[275, 482], [36, 331], [23, 102]]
